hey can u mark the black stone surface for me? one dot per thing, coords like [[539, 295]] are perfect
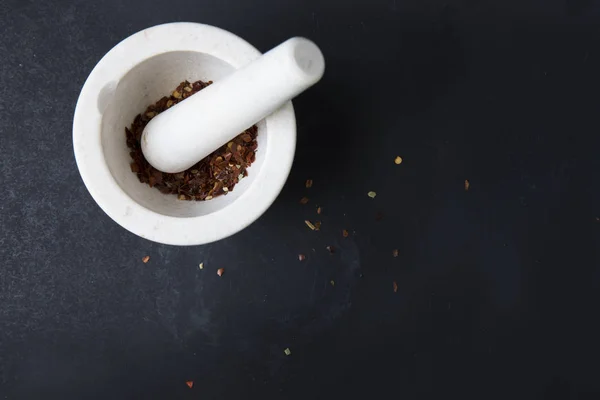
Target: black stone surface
[[498, 287]]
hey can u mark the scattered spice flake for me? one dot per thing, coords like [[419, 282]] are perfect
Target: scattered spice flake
[[309, 183], [287, 351], [317, 225], [190, 384], [395, 286], [201, 266], [372, 194], [145, 259], [398, 160], [330, 249], [332, 282], [304, 200], [467, 185], [345, 233], [220, 271], [310, 225], [395, 252], [319, 209], [301, 257]]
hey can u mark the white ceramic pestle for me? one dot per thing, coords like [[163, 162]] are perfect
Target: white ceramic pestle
[[181, 136]]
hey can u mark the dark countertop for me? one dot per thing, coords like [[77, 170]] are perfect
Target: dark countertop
[[498, 287]]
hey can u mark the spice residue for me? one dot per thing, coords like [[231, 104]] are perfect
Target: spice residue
[[467, 185], [220, 271], [145, 259], [190, 384], [213, 176]]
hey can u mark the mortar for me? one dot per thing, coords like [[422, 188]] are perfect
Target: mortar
[[136, 73]]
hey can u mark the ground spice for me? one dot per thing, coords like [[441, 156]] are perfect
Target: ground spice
[[301, 257], [213, 176]]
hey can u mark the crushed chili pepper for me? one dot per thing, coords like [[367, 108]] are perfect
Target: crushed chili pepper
[[345, 233], [220, 271], [467, 185], [309, 183], [213, 176], [317, 225], [395, 286], [304, 200], [145, 259], [190, 384], [319, 210], [301, 257]]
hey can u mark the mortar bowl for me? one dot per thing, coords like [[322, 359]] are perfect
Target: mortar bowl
[[136, 73]]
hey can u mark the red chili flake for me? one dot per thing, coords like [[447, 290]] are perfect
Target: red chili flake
[[345, 233], [330, 249], [145, 259], [304, 200], [220, 271], [395, 286], [319, 209], [317, 225], [301, 257], [190, 384], [215, 175], [467, 185], [309, 183], [395, 253]]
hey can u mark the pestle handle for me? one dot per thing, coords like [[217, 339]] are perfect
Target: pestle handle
[[181, 136]]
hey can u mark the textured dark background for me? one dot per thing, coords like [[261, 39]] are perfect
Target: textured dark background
[[498, 287]]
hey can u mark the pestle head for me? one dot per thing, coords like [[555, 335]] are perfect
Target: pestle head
[[178, 138]]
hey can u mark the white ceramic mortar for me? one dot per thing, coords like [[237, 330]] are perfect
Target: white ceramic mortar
[[136, 73]]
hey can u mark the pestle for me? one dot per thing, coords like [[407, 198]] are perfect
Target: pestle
[[179, 137]]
